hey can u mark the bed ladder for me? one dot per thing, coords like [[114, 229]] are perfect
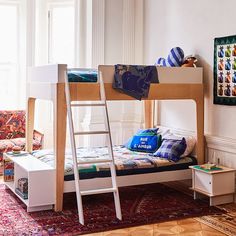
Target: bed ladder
[[110, 160]]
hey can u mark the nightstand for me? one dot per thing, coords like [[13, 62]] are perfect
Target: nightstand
[[219, 185]]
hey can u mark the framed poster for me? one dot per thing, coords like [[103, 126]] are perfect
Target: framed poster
[[225, 70]]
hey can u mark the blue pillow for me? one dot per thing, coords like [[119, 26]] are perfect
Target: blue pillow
[[146, 140], [171, 149]]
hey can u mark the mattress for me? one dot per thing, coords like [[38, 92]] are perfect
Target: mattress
[[82, 75], [127, 162]]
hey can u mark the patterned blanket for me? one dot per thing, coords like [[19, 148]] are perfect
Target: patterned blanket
[[124, 159]]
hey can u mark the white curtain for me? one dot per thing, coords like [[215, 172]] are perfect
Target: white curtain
[[12, 56]]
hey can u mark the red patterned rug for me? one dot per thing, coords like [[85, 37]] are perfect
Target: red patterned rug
[[144, 204]]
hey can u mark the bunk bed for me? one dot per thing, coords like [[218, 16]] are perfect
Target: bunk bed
[[48, 82]]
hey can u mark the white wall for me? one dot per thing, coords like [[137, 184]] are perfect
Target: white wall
[[192, 25]]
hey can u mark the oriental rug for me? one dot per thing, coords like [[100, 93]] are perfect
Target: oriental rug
[[144, 204], [225, 222]]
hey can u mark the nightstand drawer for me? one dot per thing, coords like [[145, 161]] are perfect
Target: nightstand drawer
[[203, 182]]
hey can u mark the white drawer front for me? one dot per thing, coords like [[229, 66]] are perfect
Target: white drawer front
[[223, 183], [203, 182]]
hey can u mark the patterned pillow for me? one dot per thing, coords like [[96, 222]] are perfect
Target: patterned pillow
[[171, 149], [190, 142], [146, 140], [12, 124]]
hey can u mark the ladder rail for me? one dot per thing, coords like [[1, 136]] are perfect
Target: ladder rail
[[110, 151], [73, 149]]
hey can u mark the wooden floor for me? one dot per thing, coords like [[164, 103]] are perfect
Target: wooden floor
[[187, 227]]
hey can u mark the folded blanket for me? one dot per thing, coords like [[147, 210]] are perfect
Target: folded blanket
[[82, 75], [134, 80]]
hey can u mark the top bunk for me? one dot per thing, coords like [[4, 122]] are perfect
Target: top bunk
[[174, 83]]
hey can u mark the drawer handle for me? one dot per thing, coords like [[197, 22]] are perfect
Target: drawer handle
[[210, 182]]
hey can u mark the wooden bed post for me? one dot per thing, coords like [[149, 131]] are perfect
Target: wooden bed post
[[59, 142], [148, 116], [29, 124], [200, 150]]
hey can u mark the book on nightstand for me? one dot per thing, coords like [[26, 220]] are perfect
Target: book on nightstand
[[208, 167]]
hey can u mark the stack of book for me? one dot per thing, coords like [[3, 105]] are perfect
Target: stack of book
[[22, 189], [8, 170]]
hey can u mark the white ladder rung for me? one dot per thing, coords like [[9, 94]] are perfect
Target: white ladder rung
[[94, 162], [91, 132], [95, 104], [98, 191]]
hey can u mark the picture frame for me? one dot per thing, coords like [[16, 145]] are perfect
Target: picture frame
[[225, 70]]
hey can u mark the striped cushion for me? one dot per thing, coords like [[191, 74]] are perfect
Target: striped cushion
[[175, 58], [161, 62]]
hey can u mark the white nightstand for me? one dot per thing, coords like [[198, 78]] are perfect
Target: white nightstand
[[219, 185], [41, 181]]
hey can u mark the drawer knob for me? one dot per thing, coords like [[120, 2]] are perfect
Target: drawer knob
[[210, 182]]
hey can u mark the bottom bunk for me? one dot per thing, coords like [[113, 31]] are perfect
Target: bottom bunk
[[132, 168]]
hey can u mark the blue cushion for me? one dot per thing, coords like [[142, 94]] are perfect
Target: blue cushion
[[171, 149], [146, 140]]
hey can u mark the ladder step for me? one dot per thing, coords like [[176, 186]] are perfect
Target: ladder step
[[95, 162], [98, 191], [93, 104], [91, 132]]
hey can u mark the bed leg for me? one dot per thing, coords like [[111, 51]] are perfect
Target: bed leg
[[59, 143], [200, 149], [30, 124], [148, 109]]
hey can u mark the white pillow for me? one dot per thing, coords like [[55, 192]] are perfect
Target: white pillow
[[164, 132], [190, 142]]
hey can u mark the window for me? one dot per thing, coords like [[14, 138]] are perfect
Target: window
[[61, 34], [10, 78]]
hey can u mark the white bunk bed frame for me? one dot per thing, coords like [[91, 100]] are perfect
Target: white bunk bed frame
[[48, 82]]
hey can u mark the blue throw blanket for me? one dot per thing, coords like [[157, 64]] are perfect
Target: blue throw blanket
[[134, 80], [82, 75]]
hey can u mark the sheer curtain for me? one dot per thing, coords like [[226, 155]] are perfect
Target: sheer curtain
[[12, 56]]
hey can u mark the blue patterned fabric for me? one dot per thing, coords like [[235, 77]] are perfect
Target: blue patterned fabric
[[171, 149], [145, 141], [82, 75], [134, 80]]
